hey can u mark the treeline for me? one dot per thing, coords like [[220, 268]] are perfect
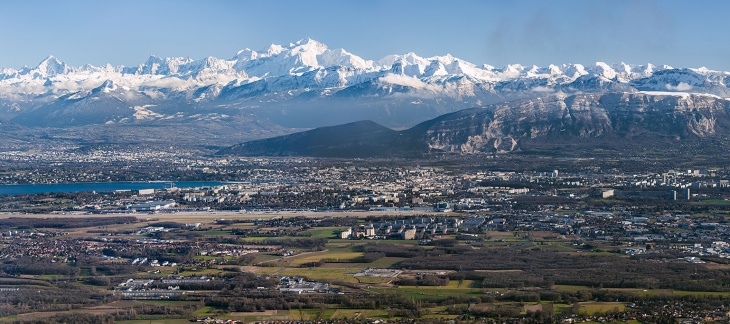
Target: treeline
[[536, 268], [77, 318], [392, 250], [36, 266], [64, 222], [46, 266], [113, 269], [423, 280], [23, 282], [313, 244], [262, 300], [168, 225], [247, 232], [65, 297], [145, 311], [178, 254], [336, 222], [232, 221]]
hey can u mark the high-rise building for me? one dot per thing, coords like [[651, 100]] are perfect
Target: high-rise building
[[686, 194]]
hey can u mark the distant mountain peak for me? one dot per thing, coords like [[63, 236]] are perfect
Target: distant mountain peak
[[49, 58], [51, 66], [306, 41], [306, 84], [274, 49], [106, 86]]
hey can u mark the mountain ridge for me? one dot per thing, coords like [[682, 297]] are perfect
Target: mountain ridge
[[307, 84], [614, 120]]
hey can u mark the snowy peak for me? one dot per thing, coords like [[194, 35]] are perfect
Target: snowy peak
[[245, 54], [308, 72], [410, 59], [303, 56], [308, 45], [307, 41], [604, 70], [159, 66], [340, 57], [49, 67], [574, 71], [681, 80], [106, 87], [209, 68], [297, 59], [273, 49]]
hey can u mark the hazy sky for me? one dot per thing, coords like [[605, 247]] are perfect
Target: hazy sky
[[677, 33]]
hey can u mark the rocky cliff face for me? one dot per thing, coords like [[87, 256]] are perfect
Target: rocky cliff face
[[582, 120], [622, 118], [619, 118]]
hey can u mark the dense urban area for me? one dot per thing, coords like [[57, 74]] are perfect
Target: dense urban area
[[484, 238]]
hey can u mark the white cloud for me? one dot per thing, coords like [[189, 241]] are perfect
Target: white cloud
[[404, 80], [169, 82], [542, 89], [680, 87]]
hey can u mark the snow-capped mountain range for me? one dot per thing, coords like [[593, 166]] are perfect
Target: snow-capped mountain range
[[307, 84]]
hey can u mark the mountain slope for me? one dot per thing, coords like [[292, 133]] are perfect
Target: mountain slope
[[615, 120], [358, 139]]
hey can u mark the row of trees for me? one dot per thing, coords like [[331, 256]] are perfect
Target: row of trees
[[531, 268], [64, 222]]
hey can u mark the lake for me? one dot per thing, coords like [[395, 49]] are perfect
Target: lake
[[97, 186]]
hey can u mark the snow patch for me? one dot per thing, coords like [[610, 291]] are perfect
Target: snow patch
[[666, 93], [142, 113]]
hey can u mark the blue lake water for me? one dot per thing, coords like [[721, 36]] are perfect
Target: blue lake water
[[97, 186]]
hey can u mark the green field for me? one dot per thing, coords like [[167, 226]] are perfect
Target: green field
[[49, 277], [594, 308], [645, 292], [327, 232], [317, 256], [701, 293], [719, 202], [359, 314], [434, 292], [205, 311], [386, 262]]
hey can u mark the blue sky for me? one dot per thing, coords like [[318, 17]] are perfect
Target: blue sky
[[678, 33]]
